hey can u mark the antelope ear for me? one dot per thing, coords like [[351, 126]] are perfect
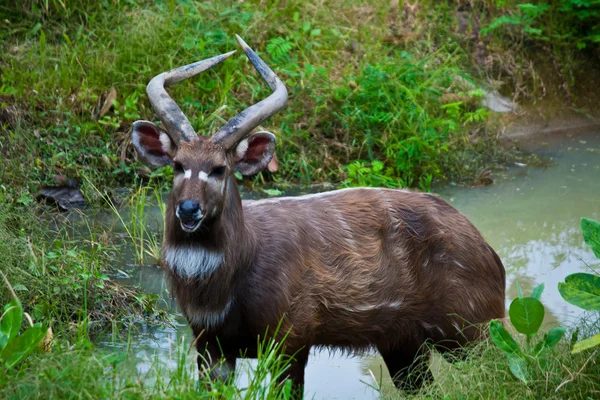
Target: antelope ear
[[254, 153], [153, 145]]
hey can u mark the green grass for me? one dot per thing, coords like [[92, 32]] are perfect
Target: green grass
[[377, 97], [365, 86], [63, 276], [81, 371], [485, 375]]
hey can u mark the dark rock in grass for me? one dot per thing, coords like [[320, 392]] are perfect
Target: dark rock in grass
[[66, 197]]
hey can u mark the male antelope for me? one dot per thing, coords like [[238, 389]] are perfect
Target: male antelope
[[353, 268]]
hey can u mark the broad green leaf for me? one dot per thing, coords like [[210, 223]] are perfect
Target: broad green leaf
[[287, 389], [537, 291], [551, 339], [518, 367], [582, 290], [526, 315], [18, 348], [590, 230], [587, 344], [11, 322], [503, 339], [519, 290]]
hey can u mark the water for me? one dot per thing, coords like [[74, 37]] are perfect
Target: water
[[530, 217]]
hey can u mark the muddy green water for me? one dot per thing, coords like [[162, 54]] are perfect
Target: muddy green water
[[530, 217]]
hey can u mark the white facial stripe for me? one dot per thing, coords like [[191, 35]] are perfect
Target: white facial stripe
[[203, 176], [193, 262], [187, 174]]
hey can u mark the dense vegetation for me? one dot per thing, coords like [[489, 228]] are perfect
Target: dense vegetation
[[381, 93]]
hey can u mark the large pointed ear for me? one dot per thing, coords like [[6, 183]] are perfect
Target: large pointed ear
[[153, 144], [254, 153]]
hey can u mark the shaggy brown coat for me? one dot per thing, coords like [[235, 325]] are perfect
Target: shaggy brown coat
[[354, 268]]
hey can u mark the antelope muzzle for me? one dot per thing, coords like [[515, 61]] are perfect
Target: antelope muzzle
[[190, 215]]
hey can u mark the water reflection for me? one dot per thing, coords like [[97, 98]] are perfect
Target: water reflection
[[531, 218]]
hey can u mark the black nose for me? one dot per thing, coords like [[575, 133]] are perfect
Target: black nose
[[188, 209]]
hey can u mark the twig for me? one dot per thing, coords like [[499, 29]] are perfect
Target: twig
[[578, 372], [10, 288]]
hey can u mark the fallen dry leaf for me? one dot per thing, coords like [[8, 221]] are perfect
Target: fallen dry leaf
[[108, 102]]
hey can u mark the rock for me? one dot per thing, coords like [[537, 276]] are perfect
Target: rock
[[498, 103], [492, 100], [66, 196]]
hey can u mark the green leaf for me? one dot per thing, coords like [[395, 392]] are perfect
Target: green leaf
[[582, 290], [273, 192], [591, 234], [287, 389], [503, 339], [11, 322], [526, 315], [18, 348], [587, 344], [519, 290], [551, 339], [537, 291], [518, 367], [42, 47]]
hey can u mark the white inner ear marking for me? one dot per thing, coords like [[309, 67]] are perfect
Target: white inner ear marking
[[187, 174], [241, 149], [165, 142], [203, 176]]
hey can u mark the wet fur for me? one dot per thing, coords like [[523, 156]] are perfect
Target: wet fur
[[358, 268]]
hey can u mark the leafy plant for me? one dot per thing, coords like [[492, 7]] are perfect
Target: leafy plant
[[362, 173], [563, 22], [15, 347], [583, 289], [526, 16], [279, 49], [526, 315]]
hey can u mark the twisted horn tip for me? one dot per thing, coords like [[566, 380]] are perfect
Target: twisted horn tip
[[242, 43], [227, 55]]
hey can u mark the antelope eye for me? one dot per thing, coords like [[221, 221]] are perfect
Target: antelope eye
[[177, 167], [217, 172]]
